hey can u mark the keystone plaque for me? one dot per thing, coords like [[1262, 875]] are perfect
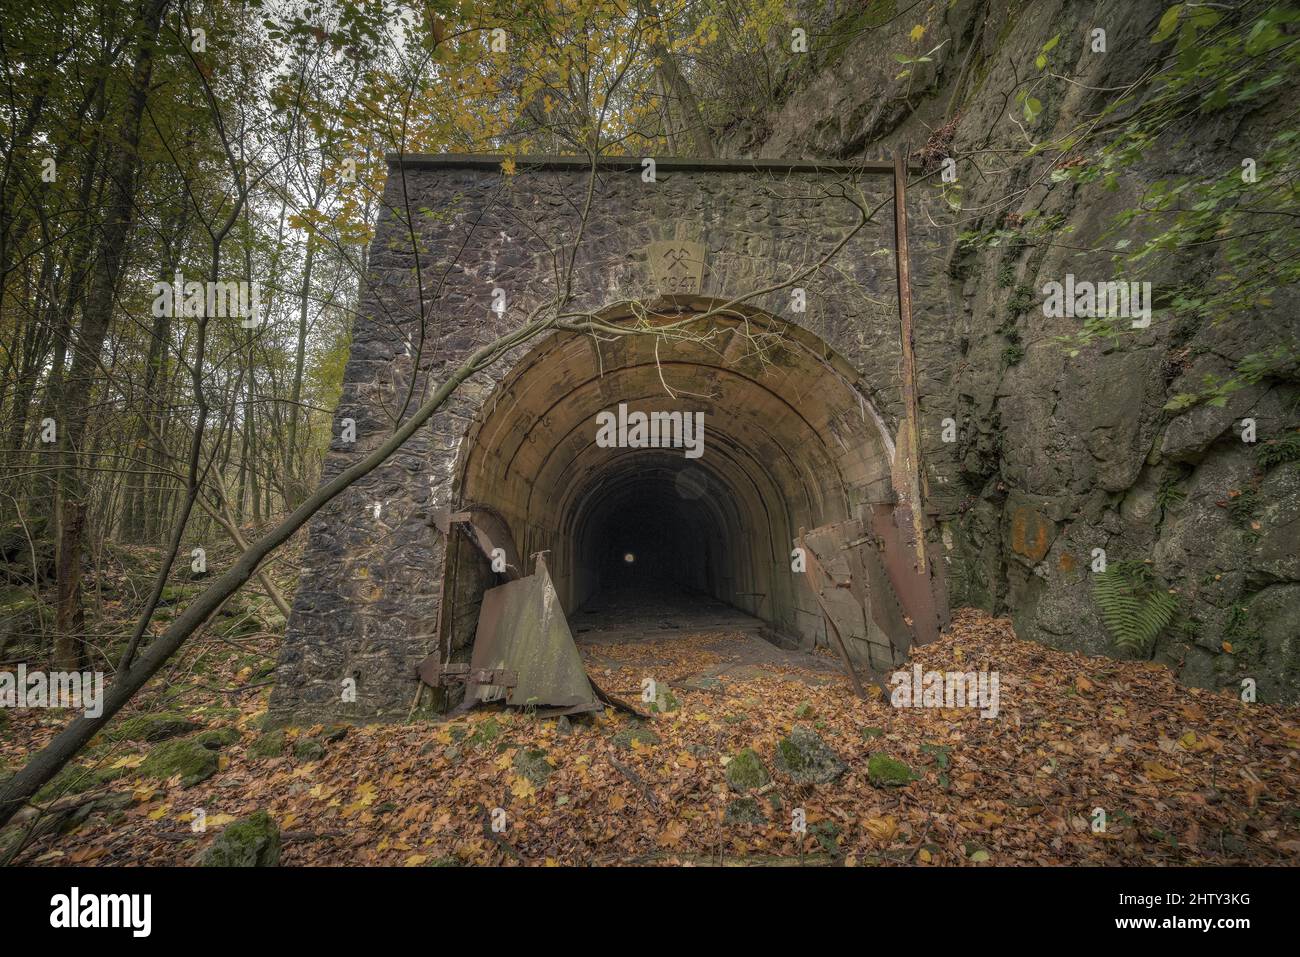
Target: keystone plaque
[[676, 266]]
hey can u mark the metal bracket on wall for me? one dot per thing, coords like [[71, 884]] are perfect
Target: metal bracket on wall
[[437, 675]]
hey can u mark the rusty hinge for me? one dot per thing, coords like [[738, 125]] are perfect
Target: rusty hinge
[[438, 675]]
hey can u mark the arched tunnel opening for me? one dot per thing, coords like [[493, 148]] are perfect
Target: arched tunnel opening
[[790, 441]]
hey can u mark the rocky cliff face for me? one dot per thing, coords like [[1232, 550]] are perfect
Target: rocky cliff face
[[1059, 454]]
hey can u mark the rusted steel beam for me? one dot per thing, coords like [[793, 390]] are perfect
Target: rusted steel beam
[[911, 409], [493, 161]]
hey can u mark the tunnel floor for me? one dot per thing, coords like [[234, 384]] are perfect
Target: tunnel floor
[[685, 639]]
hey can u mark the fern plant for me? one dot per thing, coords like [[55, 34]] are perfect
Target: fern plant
[[1133, 605], [1279, 451]]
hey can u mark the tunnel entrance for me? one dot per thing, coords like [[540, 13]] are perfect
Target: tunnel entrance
[[791, 441]]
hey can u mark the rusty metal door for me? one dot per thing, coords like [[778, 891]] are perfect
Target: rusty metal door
[[840, 580], [865, 579]]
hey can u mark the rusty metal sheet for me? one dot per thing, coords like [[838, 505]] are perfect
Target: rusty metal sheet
[[522, 630], [840, 580], [919, 589]]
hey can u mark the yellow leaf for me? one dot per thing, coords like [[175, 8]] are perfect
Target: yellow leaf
[[415, 860], [365, 798], [220, 820], [881, 828], [521, 787], [157, 814], [130, 761], [616, 802], [508, 166], [918, 31], [1158, 772], [924, 856]]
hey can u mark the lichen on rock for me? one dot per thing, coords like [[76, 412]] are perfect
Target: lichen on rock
[[806, 758]]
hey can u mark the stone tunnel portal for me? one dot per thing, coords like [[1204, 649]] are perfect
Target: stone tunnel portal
[[790, 441]]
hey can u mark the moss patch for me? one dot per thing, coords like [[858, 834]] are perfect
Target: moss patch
[[746, 771], [268, 745], [807, 759], [253, 841], [217, 738], [192, 761], [308, 749], [884, 771], [151, 727], [635, 732], [532, 764]]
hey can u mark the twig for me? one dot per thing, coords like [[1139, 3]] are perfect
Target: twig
[[636, 781]]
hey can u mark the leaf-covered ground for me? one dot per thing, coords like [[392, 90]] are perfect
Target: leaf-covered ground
[[1184, 776]]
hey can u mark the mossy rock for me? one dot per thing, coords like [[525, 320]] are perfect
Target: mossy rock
[[532, 764], [807, 759], [308, 749], [869, 733], [268, 745], [635, 732], [445, 861], [73, 779], [485, 732], [665, 700], [252, 841], [151, 727], [746, 771], [192, 761], [884, 771], [744, 811], [216, 738], [804, 711]]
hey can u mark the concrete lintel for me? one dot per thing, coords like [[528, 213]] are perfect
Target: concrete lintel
[[631, 163]]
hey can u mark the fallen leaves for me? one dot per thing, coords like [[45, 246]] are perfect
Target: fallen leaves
[[1183, 776]]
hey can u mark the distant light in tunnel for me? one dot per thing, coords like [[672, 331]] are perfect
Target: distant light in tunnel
[[629, 558]]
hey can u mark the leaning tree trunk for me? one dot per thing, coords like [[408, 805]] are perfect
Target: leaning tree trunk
[[45, 764]]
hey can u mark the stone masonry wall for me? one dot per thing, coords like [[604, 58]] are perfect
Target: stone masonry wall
[[368, 604]]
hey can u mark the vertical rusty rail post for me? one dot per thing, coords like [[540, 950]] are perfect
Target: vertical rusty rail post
[[911, 411]]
